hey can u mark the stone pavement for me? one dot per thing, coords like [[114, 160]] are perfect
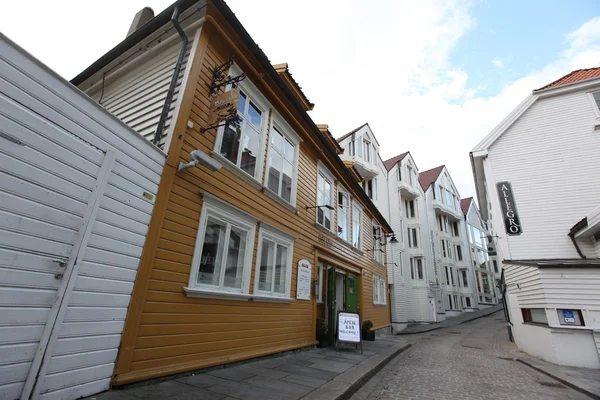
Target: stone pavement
[[450, 321], [472, 361], [311, 374]]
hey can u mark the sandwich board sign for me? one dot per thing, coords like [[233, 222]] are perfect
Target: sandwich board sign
[[348, 329]]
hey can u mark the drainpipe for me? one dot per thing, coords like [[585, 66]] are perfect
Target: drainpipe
[[169, 98], [576, 228]]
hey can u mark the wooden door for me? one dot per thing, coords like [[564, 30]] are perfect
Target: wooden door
[[352, 297]]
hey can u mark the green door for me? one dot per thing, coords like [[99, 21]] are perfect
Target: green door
[[331, 316], [351, 288]]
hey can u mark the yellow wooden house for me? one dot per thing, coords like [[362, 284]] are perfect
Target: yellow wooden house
[[219, 278]]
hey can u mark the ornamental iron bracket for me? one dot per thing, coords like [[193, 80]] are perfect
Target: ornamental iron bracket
[[221, 78], [232, 120]]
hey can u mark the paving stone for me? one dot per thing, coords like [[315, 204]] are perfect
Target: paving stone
[[266, 372], [201, 380], [174, 390], [330, 390], [307, 371], [304, 380], [273, 362], [279, 386], [333, 366], [244, 391], [238, 373]]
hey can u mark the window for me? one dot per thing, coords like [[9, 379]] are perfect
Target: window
[[378, 289], [356, 223], [449, 201], [324, 198], [456, 306], [465, 280], [444, 250], [370, 188], [450, 302], [319, 288], [240, 141], [455, 229], [410, 175], [440, 223], [416, 268], [409, 206], [352, 148], [595, 99], [343, 217], [535, 315], [224, 246], [282, 166], [359, 148], [273, 263], [377, 246], [459, 256], [447, 275], [495, 265], [399, 173], [452, 275], [468, 301], [413, 238], [367, 150]]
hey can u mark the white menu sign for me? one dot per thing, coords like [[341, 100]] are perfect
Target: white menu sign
[[348, 327], [304, 280]]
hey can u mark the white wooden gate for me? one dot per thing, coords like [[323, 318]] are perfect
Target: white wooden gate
[[77, 189]]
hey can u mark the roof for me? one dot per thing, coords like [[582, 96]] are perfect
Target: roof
[[426, 178], [324, 128], [284, 71], [389, 164], [557, 262], [465, 204], [222, 8], [351, 132], [575, 76]]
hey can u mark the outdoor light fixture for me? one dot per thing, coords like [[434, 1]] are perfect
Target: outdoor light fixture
[[326, 206], [392, 237], [198, 157]]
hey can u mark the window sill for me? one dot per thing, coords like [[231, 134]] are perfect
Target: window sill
[[325, 230], [279, 200], [271, 299], [229, 166], [214, 294], [379, 304], [537, 324]]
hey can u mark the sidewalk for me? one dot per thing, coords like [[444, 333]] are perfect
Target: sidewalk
[[451, 321], [312, 374]]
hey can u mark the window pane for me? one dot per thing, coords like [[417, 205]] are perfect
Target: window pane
[[288, 151], [356, 222], [242, 103], [251, 146], [234, 263], [342, 215], [274, 171], [280, 266], [212, 252], [276, 139], [265, 273], [231, 142], [254, 115], [286, 181]]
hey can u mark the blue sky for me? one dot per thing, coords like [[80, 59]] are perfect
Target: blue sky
[[523, 36]]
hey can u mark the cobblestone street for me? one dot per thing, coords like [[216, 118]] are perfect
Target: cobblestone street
[[469, 361]]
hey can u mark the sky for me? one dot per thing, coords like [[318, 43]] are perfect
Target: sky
[[430, 77]]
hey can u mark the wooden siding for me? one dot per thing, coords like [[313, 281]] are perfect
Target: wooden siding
[[168, 332], [550, 156]]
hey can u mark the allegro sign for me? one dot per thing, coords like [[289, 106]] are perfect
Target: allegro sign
[[509, 209]]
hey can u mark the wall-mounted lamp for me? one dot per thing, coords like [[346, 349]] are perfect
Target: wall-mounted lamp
[[325, 206], [392, 237], [198, 157]]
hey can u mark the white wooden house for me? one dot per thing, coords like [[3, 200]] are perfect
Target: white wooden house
[[538, 184], [77, 189]]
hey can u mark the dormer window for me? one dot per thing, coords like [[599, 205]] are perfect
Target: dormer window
[[367, 150]]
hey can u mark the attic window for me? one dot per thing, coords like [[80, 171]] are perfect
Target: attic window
[[595, 100]]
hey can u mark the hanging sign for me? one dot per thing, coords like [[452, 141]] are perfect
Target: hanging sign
[[223, 106], [348, 327], [509, 209], [304, 280]]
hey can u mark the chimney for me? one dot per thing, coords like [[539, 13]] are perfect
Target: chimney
[[142, 16]]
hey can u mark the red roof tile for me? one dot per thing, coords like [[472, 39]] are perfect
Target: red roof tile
[[465, 204], [575, 76], [426, 178], [389, 164]]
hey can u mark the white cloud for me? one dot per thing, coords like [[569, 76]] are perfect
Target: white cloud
[[498, 62], [382, 62]]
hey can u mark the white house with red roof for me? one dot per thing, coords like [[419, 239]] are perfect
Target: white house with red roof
[[538, 181]]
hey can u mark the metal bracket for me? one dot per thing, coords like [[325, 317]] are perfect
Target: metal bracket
[[61, 263], [231, 120], [220, 77]]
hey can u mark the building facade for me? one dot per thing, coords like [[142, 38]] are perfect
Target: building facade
[[549, 249], [270, 232]]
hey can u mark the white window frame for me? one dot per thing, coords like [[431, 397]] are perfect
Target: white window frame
[[411, 242], [379, 291], [378, 254], [366, 150], [219, 210], [348, 210], [286, 130], [594, 104], [254, 95], [322, 170], [319, 294], [415, 263], [279, 238], [359, 207]]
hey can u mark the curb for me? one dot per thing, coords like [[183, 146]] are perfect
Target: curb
[[366, 377], [561, 380], [449, 326]]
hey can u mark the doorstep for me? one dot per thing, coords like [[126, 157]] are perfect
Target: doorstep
[[312, 374]]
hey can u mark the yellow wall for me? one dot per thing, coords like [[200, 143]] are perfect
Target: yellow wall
[[167, 332]]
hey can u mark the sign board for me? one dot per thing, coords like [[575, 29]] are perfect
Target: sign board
[[223, 106], [568, 316], [304, 280], [509, 209], [348, 327]]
